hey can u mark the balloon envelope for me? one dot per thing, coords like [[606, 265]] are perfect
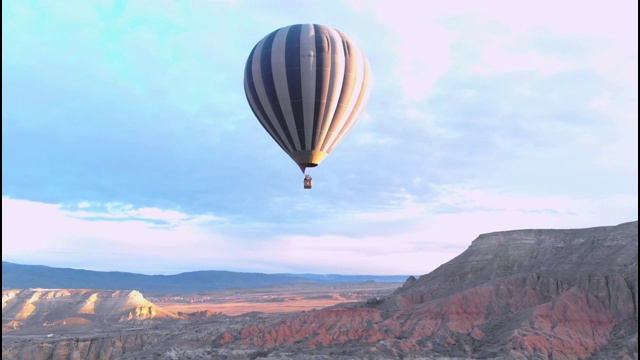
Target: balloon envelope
[[307, 84]]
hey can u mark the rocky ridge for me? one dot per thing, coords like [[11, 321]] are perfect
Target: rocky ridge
[[569, 294]]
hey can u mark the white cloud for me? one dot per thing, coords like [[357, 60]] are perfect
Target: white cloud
[[431, 38], [35, 229], [84, 204], [412, 238], [421, 236], [123, 211]]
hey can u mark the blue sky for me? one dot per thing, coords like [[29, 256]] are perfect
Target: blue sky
[[128, 143]]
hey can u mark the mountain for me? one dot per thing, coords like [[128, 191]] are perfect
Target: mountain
[[525, 294], [15, 276]]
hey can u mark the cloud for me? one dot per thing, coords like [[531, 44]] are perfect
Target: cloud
[[416, 237], [37, 230], [117, 211], [412, 236], [432, 39]]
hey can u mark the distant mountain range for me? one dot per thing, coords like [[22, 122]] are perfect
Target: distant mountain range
[[17, 276]]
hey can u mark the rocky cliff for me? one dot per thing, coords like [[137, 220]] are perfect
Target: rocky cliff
[[544, 294]]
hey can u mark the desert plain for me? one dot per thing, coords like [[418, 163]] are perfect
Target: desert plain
[[277, 299]]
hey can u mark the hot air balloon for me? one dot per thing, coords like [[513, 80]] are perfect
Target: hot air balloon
[[307, 84]]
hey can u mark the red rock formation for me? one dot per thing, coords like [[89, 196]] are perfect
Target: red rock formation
[[533, 293]]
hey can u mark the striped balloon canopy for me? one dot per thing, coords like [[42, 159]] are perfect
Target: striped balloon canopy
[[307, 84]]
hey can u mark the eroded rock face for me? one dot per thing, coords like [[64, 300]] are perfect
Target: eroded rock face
[[50, 307], [531, 293], [528, 294], [117, 347]]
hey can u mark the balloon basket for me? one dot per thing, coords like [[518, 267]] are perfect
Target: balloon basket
[[308, 182]]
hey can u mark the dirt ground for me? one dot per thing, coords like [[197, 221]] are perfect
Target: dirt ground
[[239, 308], [271, 300]]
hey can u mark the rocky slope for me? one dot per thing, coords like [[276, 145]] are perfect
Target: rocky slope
[[547, 294], [51, 309], [527, 294]]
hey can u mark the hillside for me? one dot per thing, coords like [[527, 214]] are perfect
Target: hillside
[[51, 310], [547, 294]]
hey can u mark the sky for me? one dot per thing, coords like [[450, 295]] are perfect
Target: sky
[[128, 143]]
